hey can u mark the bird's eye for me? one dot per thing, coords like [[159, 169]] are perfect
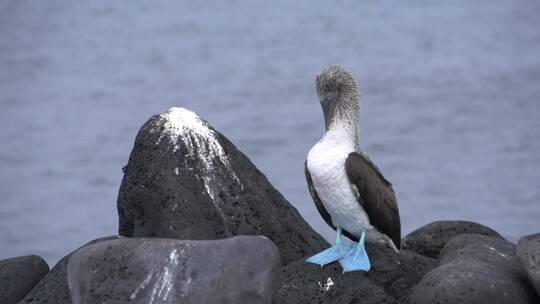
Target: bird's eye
[[329, 97]]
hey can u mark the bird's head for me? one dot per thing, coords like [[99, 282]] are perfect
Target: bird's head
[[338, 94]]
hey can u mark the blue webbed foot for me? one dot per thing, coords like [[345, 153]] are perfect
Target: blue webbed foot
[[332, 254], [357, 258]]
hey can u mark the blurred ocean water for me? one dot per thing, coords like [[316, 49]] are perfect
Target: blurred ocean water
[[451, 107]]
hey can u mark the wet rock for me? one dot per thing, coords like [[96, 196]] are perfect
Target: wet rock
[[476, 269], [431, 238], [53, 288], [185, 180], [528, 252], [149, 270], [390, 279], [19, 275]]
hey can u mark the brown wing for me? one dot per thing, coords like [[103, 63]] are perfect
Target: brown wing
[[320, 207], [376, 195]]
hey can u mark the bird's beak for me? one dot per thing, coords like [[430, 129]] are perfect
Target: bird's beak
[[328, 104]]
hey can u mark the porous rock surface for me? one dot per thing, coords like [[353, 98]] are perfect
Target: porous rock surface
[[390, 279], [428, 240], [53, 288], [149, 270], [185, 180], [19, 275], [528, 252], [475, 269]]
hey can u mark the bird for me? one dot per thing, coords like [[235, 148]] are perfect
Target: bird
[[349, 191]]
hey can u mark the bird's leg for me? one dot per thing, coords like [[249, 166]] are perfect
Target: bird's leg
[[332, 254], [357, 258]]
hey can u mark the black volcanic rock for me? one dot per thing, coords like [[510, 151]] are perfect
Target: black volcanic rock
[[390, 279], [476, 269], [19, 275], [303, 283], [53, 288], [528, 252], [185, 180], [398, 274], [428, 240], [149, 270]]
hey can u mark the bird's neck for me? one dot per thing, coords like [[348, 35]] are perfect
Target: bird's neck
[[345, 121], [343, 131]]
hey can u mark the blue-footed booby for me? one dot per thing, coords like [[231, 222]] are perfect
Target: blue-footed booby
[[349, 191]]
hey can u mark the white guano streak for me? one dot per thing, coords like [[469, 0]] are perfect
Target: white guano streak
[[142, 285], [325, 287], [163, 281], [194, 132]]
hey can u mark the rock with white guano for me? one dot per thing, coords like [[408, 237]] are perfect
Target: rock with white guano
[[528, 251], [150, 270], [390, 279], [186, 180], [476, 269]]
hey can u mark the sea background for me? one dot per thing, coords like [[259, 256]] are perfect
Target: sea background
[[450, 113]]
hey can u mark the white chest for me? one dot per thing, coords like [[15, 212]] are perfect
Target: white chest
[[326, 164]]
